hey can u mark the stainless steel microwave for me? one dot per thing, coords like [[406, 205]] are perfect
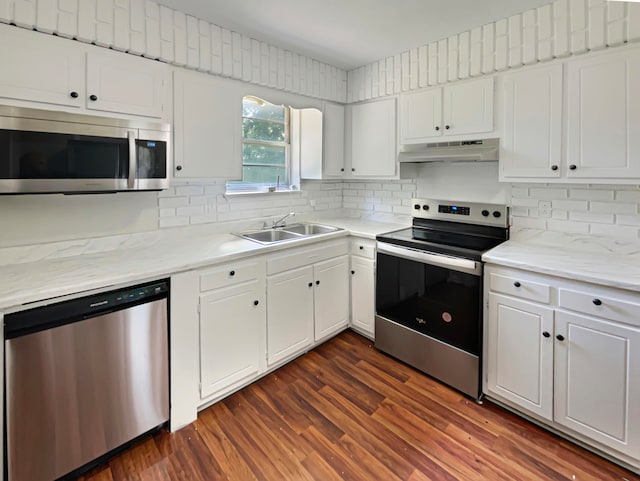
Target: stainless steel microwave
[[44, 151]]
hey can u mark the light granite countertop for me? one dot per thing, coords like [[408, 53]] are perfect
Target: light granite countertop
[[599, 260], [35, 273]]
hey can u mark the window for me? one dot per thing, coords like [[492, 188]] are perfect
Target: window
[[266, 158]]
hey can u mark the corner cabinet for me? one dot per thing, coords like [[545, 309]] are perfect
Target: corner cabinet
[[333, 130], [207, 127], [568, 354], [53, 71], [459, 109], [373, 139]]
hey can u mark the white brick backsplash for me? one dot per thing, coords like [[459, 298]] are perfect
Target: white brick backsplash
[[189, 190], [592, 194], [164, 202], [189, 211], [584, 209], [173, 221]]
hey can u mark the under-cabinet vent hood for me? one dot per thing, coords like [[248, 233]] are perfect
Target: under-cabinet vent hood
[[462, 151]]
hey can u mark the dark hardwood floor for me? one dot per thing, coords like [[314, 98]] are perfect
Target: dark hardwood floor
[[344, 411]]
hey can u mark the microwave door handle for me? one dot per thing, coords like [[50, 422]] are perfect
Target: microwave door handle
[[133, 159]]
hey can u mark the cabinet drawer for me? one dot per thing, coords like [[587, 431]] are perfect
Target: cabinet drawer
[[305, 256], [228, 275], [521, 288], [601, 306], [363, 248]]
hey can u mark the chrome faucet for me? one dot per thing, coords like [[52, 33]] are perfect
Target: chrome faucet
[[280, 221]]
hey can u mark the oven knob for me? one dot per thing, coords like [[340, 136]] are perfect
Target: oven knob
[[416, 206], [425, 207], [485, 213], [496, 214]]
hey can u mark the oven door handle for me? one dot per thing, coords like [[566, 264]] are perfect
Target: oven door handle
[[454, 263]]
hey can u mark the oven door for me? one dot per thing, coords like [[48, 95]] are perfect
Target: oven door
[[436, 295]]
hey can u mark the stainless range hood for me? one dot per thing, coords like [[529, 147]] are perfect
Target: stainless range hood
[[462, 151]]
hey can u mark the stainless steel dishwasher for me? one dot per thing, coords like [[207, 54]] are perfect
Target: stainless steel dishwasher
[[83, 378]]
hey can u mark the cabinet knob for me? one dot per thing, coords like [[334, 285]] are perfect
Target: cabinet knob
[[437, 127], [353, 272], [361, 248], [317, 283], [310, 284], [517, 284], [546, 334], [447, 127], [352, 169], [597, 302], [560, 337], [573, 167], [232, 273], [93, 98], [255, 303], [74, 95], [554, 167], [342, 170], [178, 167]]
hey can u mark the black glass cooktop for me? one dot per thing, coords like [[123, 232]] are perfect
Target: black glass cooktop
[[449, 238]]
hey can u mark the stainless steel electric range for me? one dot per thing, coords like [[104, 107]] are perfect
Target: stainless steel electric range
[[429, 289]]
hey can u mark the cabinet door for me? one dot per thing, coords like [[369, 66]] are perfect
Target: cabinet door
[[520, 353], [125, 84], [333, 140], [331, 297], [40, 68], [532, 123], [597, 380], [421, 116], [373, 139], [306, 141], [363, 295], [230, 324], [603, 137], [207, 127], [289, 313], [468, 107]]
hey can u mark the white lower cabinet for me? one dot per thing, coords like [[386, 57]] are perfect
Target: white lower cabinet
[[597, 380], [571, 360], [289, 313], [520, 356], [231, 328], [307, 298], [363, 286]]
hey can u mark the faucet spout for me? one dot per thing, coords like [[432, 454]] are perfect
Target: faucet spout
[[281, 221]]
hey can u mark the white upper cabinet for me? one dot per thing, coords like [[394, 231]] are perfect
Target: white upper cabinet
[[373, 139], [420, 116], [58, 72], [35, 70], [125, 84], [603, 118], [531, 114], [307, 141], [460, 109], [207, 127], [333, 140]]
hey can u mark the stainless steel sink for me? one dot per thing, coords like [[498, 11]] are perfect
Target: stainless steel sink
[[287, 233], [270, 236], [310, 229]]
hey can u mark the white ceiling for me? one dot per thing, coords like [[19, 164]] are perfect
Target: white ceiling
[[350, 33]]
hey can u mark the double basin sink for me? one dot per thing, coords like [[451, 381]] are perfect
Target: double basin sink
[[287, 233]]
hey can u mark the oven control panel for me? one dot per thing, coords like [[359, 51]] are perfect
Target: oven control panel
[[467, 212]]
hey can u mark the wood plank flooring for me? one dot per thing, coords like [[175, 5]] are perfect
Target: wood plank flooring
[[344, 411]]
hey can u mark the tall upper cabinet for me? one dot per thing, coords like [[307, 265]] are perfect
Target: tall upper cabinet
[[603, 116], [531, 105], [47, 71], [373, 139]]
